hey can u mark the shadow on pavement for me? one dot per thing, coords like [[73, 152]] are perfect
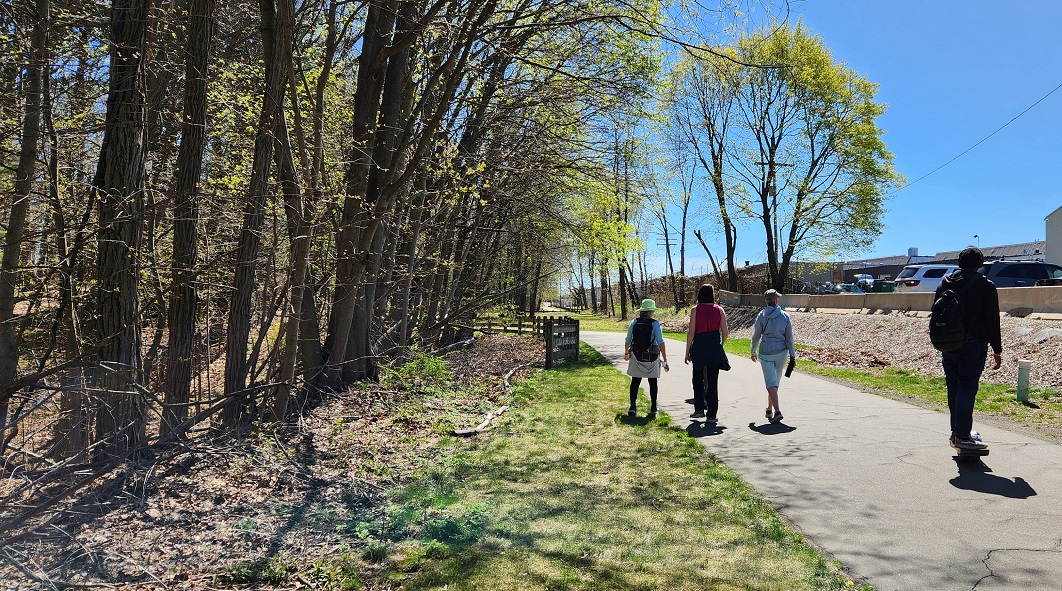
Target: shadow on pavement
[[699, 429], [771, 428], [976, 476]]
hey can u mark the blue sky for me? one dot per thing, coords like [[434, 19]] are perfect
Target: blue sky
[[951, 73]]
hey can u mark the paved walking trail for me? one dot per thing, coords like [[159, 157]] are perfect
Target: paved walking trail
[[873, 482]]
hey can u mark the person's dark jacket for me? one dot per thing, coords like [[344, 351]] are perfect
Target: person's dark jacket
[[980, 306]]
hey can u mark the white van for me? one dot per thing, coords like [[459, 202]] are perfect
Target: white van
[[922, 277]]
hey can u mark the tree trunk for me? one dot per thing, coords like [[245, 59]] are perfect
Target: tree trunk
[[70, 432], [300, 254], [184, 303], [239, 323], [379, 26], [31, 126], [121, 418]]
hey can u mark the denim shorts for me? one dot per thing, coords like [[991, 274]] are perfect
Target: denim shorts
[[773, 366]]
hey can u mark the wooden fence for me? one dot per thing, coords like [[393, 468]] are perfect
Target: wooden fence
[[561, 333], [534, 325], [562, 340]]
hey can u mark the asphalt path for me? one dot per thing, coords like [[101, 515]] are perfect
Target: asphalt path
[[873, 482]]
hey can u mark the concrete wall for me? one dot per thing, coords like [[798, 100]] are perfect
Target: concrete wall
[[1035, 302], [1053, 238]]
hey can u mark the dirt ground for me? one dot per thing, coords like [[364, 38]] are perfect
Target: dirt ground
[[299, 496]]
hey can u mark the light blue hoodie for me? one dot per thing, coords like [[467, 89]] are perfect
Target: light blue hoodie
[[773, 325]]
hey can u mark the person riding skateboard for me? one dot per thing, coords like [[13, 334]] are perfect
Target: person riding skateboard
[[963, 367]]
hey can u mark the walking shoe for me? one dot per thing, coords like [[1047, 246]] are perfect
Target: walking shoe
[[777, 418], [711, 421], [768, 414], [632, 411], [697, 414], [967, 443], [652, 413]]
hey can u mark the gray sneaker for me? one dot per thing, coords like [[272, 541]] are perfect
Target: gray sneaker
[[697, 415]]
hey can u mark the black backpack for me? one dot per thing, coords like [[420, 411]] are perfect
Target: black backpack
[[642, 346], [947, 327]]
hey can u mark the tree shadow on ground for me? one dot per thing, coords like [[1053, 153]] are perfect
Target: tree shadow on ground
[[975, 475]]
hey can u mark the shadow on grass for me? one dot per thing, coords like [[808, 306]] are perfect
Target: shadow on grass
[[772, 428], [576, 567], [588, 357], [638, 421]]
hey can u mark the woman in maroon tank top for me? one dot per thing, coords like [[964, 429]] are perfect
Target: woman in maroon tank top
[[704, 338]]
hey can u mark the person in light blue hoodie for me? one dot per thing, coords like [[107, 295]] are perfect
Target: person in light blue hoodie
[[772, 345]]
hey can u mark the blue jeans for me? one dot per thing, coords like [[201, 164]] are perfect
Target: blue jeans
[[773, 366], [962, 374]]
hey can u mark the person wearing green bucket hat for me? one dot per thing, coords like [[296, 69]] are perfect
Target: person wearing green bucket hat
[[645, 354]]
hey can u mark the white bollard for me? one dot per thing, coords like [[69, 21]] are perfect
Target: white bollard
[[1024, 365]]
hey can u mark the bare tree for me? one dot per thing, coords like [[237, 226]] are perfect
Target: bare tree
[[184, 302], [35, 74], [121, 417]]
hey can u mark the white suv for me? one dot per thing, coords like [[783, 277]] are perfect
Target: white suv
[[922, 277]]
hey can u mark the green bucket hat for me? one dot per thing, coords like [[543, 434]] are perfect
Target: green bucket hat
[[648, 306]]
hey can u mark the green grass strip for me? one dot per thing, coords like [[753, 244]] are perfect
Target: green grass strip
[[570, 493]]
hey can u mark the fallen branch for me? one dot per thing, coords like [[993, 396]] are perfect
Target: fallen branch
[[484, 426]]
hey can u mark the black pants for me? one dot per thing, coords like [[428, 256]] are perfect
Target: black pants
[[962, 374], [706, 389], [635, 382]]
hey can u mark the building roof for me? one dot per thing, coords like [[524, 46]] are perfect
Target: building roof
[[892, 261], [1007, 251]]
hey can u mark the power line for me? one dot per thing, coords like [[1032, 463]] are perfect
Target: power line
[[984, 139]]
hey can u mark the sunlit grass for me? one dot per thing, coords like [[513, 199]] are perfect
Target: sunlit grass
[[576, 495]]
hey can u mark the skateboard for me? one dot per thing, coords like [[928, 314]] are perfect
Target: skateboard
[[970, 453]]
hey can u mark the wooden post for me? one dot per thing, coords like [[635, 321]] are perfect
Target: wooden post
[[577, 339], [548, 334]]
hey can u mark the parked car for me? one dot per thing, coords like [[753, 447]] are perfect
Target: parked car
[[1021, 273], [922, 277]]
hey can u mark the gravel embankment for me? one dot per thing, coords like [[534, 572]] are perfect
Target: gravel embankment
[[869, 340]]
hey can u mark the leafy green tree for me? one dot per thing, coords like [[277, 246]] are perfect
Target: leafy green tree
[[810, 151]]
